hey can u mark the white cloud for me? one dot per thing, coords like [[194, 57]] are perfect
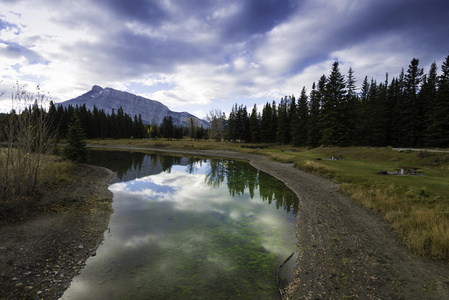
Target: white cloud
[[195, 58]]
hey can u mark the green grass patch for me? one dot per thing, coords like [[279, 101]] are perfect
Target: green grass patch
[[417, 207]]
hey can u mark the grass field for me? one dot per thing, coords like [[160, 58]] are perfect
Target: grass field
[[417, 207]]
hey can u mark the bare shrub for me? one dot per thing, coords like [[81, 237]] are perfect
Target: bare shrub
[[27, 136]]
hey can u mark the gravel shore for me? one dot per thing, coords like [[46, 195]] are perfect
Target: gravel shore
[[40, 256]]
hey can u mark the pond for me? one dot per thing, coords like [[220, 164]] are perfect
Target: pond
[[190, 228]]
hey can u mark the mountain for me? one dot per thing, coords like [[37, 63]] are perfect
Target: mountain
[[151, 111]]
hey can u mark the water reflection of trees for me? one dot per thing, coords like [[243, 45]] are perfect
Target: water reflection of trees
[[118, 161], [132, 165], [240, 175]]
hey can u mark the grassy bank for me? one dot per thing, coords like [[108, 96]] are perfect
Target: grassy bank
[[24, 178], [417, 207]]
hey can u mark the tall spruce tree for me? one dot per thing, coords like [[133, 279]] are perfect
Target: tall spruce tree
[[76, 148], [167, 128], [428, 95], [438, 129], [352, 106], [254, 125], [265, 124], [274, 122], [313, 124], [283, 125], [413, 113], [243, 124], [398, 102], [334, 114], [232, 124], [299, 127]]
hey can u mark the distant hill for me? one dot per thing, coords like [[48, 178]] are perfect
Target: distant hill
[[151, 111]]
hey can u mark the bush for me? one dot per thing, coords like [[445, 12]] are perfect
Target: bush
[[28, 138]]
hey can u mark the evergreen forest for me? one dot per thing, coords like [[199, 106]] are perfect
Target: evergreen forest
[[411, 110]]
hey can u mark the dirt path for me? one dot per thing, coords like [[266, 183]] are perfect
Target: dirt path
[[346, 251]]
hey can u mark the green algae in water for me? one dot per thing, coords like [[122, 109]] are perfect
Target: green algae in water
[[189, 233]]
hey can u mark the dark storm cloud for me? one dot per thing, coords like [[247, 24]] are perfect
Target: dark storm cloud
[[418, 17], [255, 17], [13, 50], [146, 11], [247, 19], [153, 54], [421, 24], [252, 16], [402, 29]]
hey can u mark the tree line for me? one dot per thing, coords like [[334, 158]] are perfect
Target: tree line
[[411, 110], [96, 123]]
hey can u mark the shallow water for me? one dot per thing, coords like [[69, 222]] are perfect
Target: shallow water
[[186, 228]]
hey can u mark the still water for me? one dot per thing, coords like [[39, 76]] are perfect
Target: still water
[[189, 228]]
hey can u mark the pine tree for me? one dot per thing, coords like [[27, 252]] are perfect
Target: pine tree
[[413, 112], [313, 124], [299, 129], [274, 122], [232, 124], [351, 107], [265, 124], [167, 128], [283, 125], [334, 114], [396, 97], [76, 149], [437, 131], [243, 124], [254, 126], [428, 95]]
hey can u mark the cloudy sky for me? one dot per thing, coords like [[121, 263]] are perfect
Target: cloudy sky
[[196, 55]]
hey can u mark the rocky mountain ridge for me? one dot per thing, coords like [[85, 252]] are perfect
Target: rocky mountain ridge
[[152, 111]]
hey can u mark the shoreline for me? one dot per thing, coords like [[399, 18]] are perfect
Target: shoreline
[[41, 255]]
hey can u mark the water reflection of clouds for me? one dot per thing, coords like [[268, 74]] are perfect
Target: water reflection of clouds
[[186, 191], [176, 212], [189, 192]]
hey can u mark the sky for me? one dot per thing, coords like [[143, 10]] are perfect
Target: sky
[[203, 55]]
